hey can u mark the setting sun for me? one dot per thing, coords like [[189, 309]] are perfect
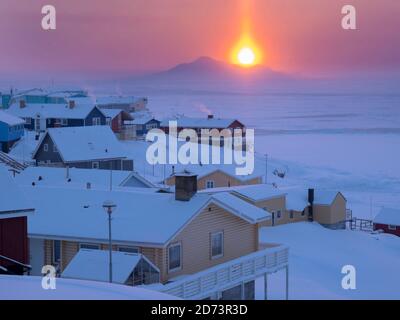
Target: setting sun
[[246, 56]]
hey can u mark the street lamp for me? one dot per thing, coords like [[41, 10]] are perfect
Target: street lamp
[[109, 207]]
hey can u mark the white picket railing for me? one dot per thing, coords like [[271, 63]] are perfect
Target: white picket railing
[[229, 274]]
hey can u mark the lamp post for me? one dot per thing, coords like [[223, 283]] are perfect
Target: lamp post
[[109, 207]]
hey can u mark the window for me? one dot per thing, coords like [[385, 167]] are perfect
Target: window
[[217, 245], [129, 249], [54, 148], [210, 184], [49, 121], [95, 165], [391, 227], [64, 122], [45, 147], [57, 121], [56, 252], [28, 120], [174, 257], [108, 121], [89, 246], [291, 214], [278, 214], [96, 121]]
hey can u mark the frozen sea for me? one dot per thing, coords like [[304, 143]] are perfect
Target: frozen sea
[[346, 142]]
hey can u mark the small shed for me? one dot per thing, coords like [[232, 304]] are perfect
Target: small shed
[[388, 220], [128, 268]]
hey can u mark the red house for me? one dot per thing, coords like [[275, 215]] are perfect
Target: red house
[[14, 209], [120, 122], [388, 220]]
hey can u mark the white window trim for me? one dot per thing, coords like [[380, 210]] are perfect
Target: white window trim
[[212, 182], [64, 122], [46, 147], [180, 255], [211, 238], [392, 227], [97, 163], [96, 121], [128, 247], [89, 244], [277, 217]]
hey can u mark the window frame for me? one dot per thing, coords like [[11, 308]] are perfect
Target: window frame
[[89, 246], [123, 249], [64, 122], [176, 244], [392, 227], [97, 166], [45, 147], [213, 234], [212, 182]]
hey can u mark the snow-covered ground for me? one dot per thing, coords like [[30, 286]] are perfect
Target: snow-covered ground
[[30, 288], [317, 256]]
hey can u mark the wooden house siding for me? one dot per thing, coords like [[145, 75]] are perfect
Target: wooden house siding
[[240, 238], [220, 180]]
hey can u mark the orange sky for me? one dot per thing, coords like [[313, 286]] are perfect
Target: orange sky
[[135, 35]]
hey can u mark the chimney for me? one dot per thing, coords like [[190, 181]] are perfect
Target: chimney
[[185, 186], [22, 104], [311, 205], [210, 116], [71, 104]]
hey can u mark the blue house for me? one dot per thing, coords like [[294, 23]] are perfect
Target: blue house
[[11, 130], [144, 124], [39, 117]]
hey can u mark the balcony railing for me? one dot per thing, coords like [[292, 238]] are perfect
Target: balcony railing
[[229, 274]]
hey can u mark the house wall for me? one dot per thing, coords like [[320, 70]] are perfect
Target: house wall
[[240, 238], [51, 123], [220, 179], [95, 113], [50, 155], [10, 133], [14, 240]]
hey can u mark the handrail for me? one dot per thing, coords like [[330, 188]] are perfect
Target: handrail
[[16, 262], [229, 274]]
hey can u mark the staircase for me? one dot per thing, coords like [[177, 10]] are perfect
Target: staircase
[[10, 162], [14, 267]]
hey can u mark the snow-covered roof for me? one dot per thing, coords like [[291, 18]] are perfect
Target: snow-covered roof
[[30, 288], [241, 208], [93, 265], [85, 143], [10, 119], [52, 176], [52, 110], [112, 113], [202, 123], [107, 100], [296, 199], [143, 120], [388, 216], [254, 192], [140, 217], [12, 198], [324, 196]]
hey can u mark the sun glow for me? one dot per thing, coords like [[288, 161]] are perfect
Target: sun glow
[[246, 53], [246, 56]]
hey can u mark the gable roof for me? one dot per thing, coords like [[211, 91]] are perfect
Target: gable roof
[[12, 200], [253, 192], [112, 113], [93, 265], [10, 119], [143, 120], [84, 143], [143, 218], [201, 123], [52, 110], [388, 216]]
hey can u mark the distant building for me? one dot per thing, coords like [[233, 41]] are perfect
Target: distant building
[[144, 124], [14, 209], [41, 116], [11, 130], [210, 122], [126, 103], [121, 123], [388, 220], [93, 147]]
